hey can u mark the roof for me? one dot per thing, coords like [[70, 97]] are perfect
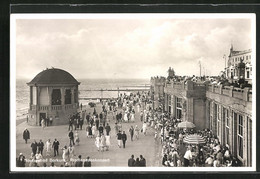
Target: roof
[[53, 76]]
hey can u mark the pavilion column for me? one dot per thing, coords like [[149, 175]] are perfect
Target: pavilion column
[[31, 98], [50, 95], [62, 96], [72, 95]]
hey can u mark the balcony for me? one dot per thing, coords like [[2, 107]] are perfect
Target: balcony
[[239, 93], [53, 107]]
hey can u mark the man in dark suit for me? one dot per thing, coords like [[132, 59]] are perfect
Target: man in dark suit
[[101, 129], [108, 129], [40, 146], [26, 135], [79, 162], [131, 161], [71, 137], [119, 139], [142, 161], [55, 146], [34, 147], [87, 163], [124, 138]]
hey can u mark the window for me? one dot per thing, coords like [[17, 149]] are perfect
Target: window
[[226, 126], [240, 136], [75, 96], [218, 121], [178, 108], [68, 96], [56, 97], [247, 74], [246, 57]]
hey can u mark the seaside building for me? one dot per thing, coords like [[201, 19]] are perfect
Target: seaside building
[[53, 94], [225, 110], [186, 101], [239, 65], [229, 116], [157, 93]]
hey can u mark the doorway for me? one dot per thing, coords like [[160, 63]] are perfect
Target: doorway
[[42, 117]]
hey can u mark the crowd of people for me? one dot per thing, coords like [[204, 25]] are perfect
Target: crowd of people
[[138, 162], [97, 126], [178, 153]]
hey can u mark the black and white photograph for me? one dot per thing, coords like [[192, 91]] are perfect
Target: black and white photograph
[[133, 92]]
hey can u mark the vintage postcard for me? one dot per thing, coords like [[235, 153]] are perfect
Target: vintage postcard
[[133, 92]]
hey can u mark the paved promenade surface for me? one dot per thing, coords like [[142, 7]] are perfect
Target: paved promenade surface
[[146, 145]]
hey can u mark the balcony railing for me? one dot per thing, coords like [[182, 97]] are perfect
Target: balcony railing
[[54, 107], [243, 94]]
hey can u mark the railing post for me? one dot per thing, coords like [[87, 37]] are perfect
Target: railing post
[[246, 94], [231, 91], [220, 89]]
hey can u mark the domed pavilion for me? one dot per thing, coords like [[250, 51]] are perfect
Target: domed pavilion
[[53, 94]]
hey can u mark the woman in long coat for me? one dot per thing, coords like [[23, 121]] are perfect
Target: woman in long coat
[[26, 135]]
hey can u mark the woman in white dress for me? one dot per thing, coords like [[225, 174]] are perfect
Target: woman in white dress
[[136, 132], [76, 138], [125, 117], [107, 142], [65, 154], [138, 107], [144, 128], [94, 128], [132, 119], [48, 147], [102, 142], [71, 151], [97, 142]]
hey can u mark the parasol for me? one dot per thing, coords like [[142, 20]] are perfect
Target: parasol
[[186, 124], [194, 139]]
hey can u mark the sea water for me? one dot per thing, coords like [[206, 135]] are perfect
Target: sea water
[[23, 97]]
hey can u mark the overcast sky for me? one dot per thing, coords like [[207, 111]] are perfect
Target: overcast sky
[[127, 48]]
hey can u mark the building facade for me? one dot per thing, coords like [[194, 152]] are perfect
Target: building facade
[[239, 65], [229, 116], [225, 110], [157, 91], [53, 94], [186, 101]]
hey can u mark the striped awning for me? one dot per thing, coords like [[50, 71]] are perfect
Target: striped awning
[[194, 139]]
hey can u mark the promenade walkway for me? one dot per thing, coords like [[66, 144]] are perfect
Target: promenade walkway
[[146, 145]]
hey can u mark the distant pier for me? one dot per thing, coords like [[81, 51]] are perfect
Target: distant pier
[[133, 88]]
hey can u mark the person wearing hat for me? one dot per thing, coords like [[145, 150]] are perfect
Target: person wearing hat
[[79, 162], [26, 135], [131, 161], [20, 162], [87, 163], [119, 139], [124, 138]]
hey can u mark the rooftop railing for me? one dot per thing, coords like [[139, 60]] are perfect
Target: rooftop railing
[[243, 94]]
